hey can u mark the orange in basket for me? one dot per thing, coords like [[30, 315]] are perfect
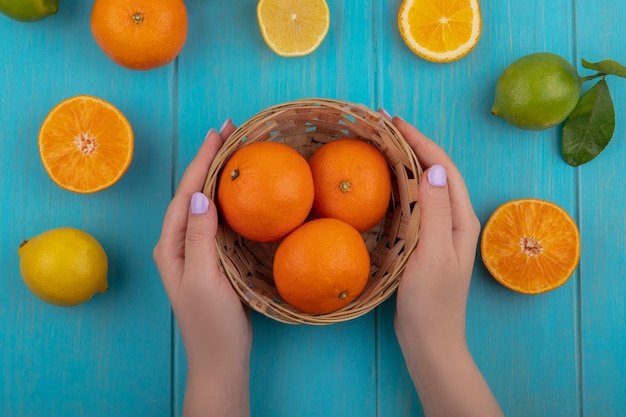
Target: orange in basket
[[321, 266], [305, 126], [352, 183], [265, 191]]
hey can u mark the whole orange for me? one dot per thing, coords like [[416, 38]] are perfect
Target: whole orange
[[321, 266], [265, 191], [352, 182], [140, 34]]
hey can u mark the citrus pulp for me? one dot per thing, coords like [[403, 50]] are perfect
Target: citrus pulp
[[440, 30], [86, 144], [530, 246], [293, 27]]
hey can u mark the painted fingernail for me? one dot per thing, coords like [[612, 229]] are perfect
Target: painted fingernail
[[437, 176], [224, 125], [199, 203], [209, 133], [384, 113]]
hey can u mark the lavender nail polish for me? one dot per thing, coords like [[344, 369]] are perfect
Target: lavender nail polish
[[199, 203], [437, 176], [223, 126], [209, 133], [385, 113]]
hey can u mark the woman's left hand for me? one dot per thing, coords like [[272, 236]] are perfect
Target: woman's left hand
[[214, 324]]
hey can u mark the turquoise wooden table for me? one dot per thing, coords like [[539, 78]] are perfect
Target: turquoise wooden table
[[556, 354]]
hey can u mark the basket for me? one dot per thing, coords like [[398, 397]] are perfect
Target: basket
[[305, 125]]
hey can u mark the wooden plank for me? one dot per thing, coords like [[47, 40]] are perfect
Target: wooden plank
[[555, 354], [525, 346], [600, 35], [226, 70], [110, 356]]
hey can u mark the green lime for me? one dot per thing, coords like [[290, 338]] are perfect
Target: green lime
[[29, 10], [537, 91]]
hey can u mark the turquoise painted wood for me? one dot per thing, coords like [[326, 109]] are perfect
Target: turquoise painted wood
[[556, 354]]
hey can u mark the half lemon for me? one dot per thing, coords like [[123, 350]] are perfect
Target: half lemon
[[293, 27]]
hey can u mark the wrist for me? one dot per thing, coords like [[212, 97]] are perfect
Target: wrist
[[220, 390], [227, 366], [427, 332], [435, 350]]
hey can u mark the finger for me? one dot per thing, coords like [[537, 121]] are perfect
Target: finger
[[435, 210], [200, 258], [170, 246], [429, 153], [195, 174], [465, 224], [227, 129], [385, 114]]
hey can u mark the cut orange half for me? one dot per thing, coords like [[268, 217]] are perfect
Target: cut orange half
[[86, 144], [293, 27], [530, 246], [440, 30]]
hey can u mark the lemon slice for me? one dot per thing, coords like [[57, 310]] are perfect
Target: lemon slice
[[293, 27], [440, 30]]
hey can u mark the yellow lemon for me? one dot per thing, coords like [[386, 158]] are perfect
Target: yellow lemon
[[293, 27], [64, 266]]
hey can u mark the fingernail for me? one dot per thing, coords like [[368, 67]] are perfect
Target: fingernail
[[398, 117], [209, 133], [384, 113], [199, 203], [437, 176], [224, 125]]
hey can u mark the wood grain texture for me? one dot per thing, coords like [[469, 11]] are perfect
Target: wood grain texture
[[602, 204], [556, 354], [529, 340], [111, 355]]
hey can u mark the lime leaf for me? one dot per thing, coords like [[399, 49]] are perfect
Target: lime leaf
[[607, 67], [589, 128]]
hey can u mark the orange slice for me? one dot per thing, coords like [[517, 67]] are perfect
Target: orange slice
[[530, 246], [440, 30], [85, 144], [293, 27]]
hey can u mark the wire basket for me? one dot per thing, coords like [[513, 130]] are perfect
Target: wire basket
[[306, 125]]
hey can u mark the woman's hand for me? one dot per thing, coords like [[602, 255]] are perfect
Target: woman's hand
[[214, 325], [432, 294]]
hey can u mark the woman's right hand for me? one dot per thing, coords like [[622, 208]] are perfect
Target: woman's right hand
[[432, 294]]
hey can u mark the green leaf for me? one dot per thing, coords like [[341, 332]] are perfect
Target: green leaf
[[590, 126], [608, 67]]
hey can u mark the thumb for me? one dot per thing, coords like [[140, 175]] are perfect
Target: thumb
[[200, 235], [435, 209]]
